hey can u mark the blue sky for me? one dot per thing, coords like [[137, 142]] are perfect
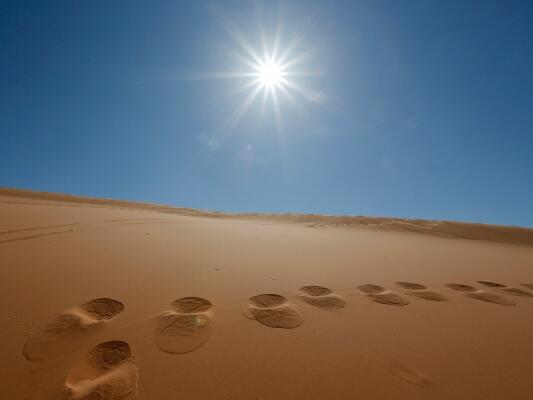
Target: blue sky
[[419, 109]]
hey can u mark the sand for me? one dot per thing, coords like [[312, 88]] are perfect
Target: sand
[[107, 299]]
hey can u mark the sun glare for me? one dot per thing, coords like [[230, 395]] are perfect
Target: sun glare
[[270, 74]]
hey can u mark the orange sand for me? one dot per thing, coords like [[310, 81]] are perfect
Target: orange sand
[[106, 299]]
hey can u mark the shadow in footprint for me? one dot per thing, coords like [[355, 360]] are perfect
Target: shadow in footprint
[[459, 287], [274, 311], [380, 295], [507, 289], [421, 291], [65, 332], [321, 297], [491, 284], [411, 285], [186, 327], [472, 292], [109, 372]]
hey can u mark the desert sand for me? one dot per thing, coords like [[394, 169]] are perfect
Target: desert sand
[[107, 299]]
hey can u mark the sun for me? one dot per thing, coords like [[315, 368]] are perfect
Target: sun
[[273, 73], [270, 73]]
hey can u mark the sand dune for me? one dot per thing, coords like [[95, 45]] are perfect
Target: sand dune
[[106, 299], [460, 230]]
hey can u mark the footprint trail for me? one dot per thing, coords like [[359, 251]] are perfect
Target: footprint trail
[[472, 292]]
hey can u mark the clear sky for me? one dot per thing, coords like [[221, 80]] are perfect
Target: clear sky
[[419, 109]]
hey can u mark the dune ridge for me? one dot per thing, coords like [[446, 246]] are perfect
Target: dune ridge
[[446, 229]]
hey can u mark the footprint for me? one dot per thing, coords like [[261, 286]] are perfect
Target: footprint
[[65, 332], [109, 372], [421, 291], [274, 311], [474, 293], [491, 298], [507, 289], [187, 326], [410, 375], [516, 292], [321, 297], [380, 295]]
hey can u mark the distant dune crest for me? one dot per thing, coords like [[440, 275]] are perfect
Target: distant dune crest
[[446, 229]]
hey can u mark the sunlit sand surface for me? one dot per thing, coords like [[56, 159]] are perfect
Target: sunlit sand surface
[[105, 299]]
